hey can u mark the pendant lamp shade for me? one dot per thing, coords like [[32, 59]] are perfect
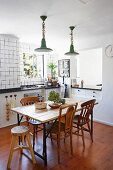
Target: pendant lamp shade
[[72, 51], [43, 47]]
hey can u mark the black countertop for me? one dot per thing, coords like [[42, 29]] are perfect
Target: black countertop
[[99, 88], [25, 89]]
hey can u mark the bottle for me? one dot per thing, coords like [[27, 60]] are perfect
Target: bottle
[[82, 83]]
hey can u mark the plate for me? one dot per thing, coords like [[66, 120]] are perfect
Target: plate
[[55, 105]]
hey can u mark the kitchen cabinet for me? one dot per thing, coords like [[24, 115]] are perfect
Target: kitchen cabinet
[[86, 93], [78, 92], [93, 94], [3, 112], [14, 102]]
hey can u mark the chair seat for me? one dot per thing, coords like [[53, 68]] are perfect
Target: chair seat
[[53, 127], [76, 117], [19, 130], [34, 122]]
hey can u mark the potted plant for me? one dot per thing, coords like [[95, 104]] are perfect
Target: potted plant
[[52, 67], [54, 96]]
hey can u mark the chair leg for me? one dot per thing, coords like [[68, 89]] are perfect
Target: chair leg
[[64, 137], [57, 139], [90, 131], [51, 137], [11, 152], [31, 149], [83, 137], [58, 148], [34, 137], [78, 128], [36, 129], [71, 144]]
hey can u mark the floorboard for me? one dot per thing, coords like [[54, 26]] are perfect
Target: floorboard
[[97, 155]]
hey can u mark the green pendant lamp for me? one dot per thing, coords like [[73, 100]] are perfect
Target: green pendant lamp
[[72, 51], [43, 47]]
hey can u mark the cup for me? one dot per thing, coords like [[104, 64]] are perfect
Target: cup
[[63, 101]]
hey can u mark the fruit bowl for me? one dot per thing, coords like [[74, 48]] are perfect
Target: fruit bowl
[[55, 105]]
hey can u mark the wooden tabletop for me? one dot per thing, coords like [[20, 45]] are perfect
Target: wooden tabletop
[[44, 115]]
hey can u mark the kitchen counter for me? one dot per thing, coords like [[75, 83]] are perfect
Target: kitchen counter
[[51, 87], [89, 87], [26, 89]]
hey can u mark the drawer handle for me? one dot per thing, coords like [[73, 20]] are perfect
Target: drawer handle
[[93, 91], [78, 90]]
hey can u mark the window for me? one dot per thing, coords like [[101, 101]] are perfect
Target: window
[[32, 65]]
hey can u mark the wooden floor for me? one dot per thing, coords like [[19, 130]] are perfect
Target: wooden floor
[[97, 156]]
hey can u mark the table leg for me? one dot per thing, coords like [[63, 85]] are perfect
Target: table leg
[[18, 122], [44, 144], [18, 119]]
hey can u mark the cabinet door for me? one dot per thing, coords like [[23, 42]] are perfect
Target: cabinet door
[[80, 92], [5, 112], [93, 94], [77, 93]]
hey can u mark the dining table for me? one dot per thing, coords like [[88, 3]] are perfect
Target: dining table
[[44, 116]]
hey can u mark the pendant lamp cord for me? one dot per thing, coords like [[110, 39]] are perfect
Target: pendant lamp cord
[[71, 36], [43, 29]]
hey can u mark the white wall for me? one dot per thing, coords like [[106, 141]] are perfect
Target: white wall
[[104, 110], [90, 66]]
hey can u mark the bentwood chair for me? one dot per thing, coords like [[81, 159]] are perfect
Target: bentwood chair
[[62, 128], [82, 121], [28, 101]]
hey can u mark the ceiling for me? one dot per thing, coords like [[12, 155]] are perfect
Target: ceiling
[[22, 18]]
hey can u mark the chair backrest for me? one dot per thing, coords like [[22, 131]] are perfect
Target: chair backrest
[[29, 100], [69, 116], [87, 109]]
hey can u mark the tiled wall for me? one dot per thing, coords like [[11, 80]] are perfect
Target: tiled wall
[[9, 62]]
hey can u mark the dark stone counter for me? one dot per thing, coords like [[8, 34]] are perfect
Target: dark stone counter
[[25, 89], [89, 88]]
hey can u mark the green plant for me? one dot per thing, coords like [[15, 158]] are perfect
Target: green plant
[[54, 96], [52, 67]]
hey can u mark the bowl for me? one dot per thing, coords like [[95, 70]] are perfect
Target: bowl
[[55, 105]]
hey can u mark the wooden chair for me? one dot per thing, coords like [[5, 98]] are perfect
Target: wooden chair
[[20, 132], [81, 121], [62, 127], [28, 101]]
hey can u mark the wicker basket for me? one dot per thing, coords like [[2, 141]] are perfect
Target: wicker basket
[[40, 105]]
